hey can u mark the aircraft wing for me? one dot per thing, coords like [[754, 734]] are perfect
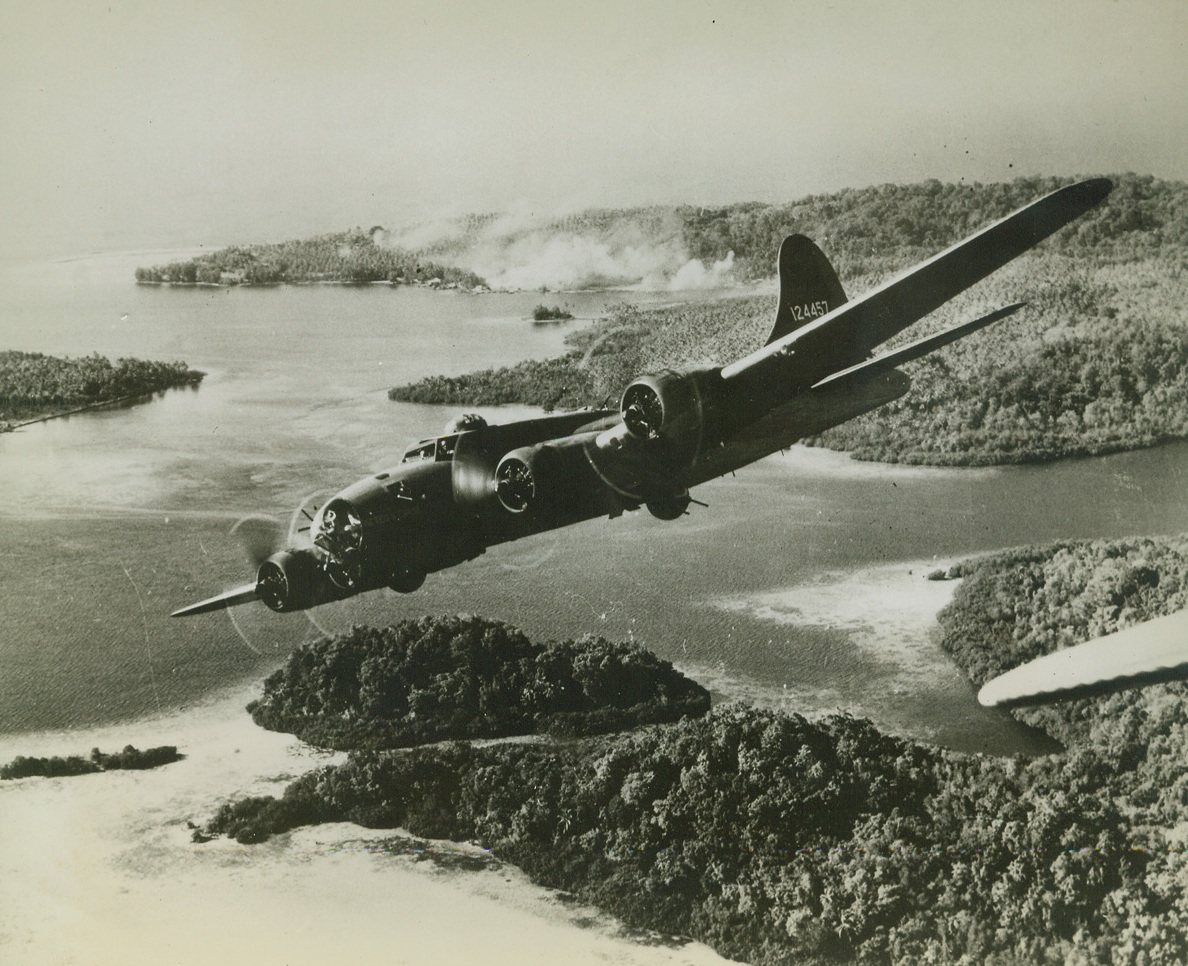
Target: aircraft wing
[[854, 328], [240, 595], [1149, 653]]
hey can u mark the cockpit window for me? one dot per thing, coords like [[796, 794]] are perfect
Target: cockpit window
[[440, 449], [422, 451]]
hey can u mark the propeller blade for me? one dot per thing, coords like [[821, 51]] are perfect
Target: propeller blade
[[260, 537], [240, 595]]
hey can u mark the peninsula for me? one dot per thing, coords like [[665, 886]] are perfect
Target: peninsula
[[349, 258], [35, 387], [442, 678]]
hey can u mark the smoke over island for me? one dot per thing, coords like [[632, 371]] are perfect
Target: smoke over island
[[601, 249]]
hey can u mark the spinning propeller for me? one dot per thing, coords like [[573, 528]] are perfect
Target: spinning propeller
[[260, 537]]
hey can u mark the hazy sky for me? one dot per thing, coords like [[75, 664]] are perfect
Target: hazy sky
[[148, 123]]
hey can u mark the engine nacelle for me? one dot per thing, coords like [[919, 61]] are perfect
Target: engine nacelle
[[554, 483], [663, 405], [673, 415], [667, 406], [290, 580], [525, 479]]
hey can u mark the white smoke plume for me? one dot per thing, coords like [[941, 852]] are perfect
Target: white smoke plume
[[639, 250], [694, 274], [565, 261]]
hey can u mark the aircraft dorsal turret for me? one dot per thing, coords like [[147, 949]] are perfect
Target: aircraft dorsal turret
[[808, 286]]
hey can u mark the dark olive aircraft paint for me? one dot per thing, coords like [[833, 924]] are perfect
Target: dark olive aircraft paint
[[477, 485]]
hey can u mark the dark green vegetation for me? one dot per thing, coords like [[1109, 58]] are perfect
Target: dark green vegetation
[[130, 758], [33, 385], [550, 313], [606, 357], [1020, 604], [465, 677], [865, 231], [777, 840], [352, 257], [875, 230], [780, 840], [548, 383], [1096, 363], [1098, 380]]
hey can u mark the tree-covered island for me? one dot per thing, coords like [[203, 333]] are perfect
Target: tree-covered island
[[434, 679], [352, 258], [1020, 604], [57, 766], [35, 386], [1096, 363], [550, 313], [780, 840]]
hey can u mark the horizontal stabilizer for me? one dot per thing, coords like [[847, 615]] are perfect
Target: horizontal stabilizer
[[856, 327], [921, 347], [240, 595], [1149, 653]]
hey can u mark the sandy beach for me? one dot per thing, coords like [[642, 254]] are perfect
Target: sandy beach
[[100, 869]]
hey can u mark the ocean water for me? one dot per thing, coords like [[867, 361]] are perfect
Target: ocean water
[[801, 586]]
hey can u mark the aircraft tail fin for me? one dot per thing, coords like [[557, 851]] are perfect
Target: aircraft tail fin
[[808, 286]]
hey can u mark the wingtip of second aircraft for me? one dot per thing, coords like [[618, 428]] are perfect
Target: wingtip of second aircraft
[[1095, 189]]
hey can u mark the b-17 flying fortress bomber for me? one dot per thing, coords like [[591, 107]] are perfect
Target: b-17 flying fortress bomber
[[479, 485]]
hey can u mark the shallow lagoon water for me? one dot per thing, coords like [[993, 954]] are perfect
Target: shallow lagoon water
[[787, 591]]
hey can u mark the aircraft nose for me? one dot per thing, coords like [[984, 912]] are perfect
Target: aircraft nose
[[338, 532]]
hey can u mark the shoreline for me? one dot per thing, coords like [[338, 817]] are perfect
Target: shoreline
[[94, 866], [344, 283], [888, 610], [12, 425], [101, 869], [884, 616], [44, 416]]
